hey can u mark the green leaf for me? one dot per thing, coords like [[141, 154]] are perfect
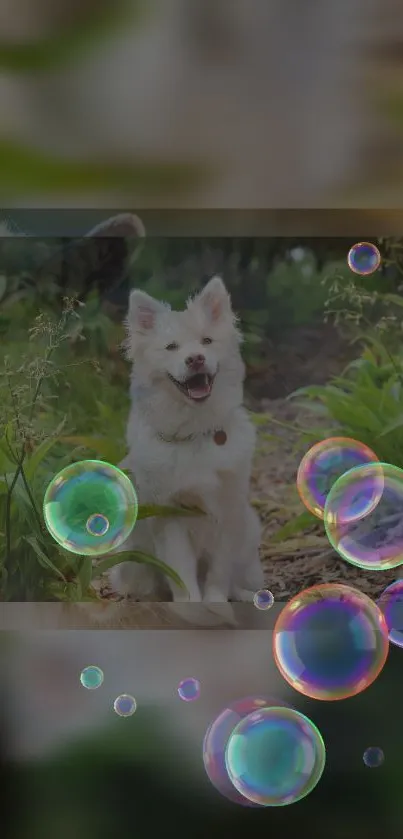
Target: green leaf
[[142, 558], [146, 511], [259, 419], [3, 286], [43, 560], [38, 455], [392, 426], [84, 574], [301, 523], [311, 392], [103, 446], [6, 465], [393, 298]]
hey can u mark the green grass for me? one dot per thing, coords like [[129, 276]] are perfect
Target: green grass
[[59, 404]]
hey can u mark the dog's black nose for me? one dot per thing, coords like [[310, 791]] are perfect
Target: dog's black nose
[[195, 360]]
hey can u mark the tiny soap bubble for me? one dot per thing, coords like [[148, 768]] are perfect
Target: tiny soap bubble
[[364, 258], [125, 705], [189, 689], [263, 599], [91, 677], [97, 525], [373, 757]]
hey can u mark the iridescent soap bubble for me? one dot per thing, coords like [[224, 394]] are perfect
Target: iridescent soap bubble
[[323, 464], [391, 604], [90, 507], [189, 689], [364, 258], [125, 705], [91, 677], [263, 599], [373, 757], [217, 737], [374, 540], [275, 756], [330, 642], [97, 525]]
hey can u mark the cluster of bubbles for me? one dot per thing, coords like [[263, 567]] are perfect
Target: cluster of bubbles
[[260, 752], [330, 642], [92, 677], [360, 500]]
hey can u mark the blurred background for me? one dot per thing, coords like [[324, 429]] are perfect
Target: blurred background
[[70, 766], [256, 103]]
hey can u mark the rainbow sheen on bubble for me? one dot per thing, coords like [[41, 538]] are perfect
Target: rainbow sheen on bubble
[[374, 540], [275, 756], [263, 599], [373, 757], [323, 464], [217, 737], [90, 508], [364, 258], [125, 705], [189, 689], [97, 525], [330, 642], [391, 604], [91, 677]]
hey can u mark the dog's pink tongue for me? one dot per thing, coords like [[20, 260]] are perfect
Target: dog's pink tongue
[[200, 388]]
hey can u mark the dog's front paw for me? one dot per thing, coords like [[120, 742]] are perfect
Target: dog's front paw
[[180, 596], [213, 594], [242, 595]]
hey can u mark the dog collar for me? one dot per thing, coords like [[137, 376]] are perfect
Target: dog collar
[[218, 434]]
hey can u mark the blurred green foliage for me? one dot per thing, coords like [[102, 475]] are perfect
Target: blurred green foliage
[[85, 31], [23, 169]]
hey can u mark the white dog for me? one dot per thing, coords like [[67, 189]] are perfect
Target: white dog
[[190, 442]]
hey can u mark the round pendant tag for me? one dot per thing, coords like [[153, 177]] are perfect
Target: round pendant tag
[[220, 438]]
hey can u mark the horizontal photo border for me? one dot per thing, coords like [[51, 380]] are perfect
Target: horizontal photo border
[[193, 223]]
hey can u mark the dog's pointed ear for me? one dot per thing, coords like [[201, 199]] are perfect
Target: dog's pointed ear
[[215, 300], [143, 310], [121, 226]]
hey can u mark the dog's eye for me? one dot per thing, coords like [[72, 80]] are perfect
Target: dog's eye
[[172, 346], [207, 341]]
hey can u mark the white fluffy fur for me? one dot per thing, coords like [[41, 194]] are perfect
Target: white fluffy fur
[[197, 471]]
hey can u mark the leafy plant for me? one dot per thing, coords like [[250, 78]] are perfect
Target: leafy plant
[[366, 401], [32, 449]]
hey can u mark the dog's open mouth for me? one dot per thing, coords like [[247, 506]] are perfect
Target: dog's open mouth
[[197, 387]]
